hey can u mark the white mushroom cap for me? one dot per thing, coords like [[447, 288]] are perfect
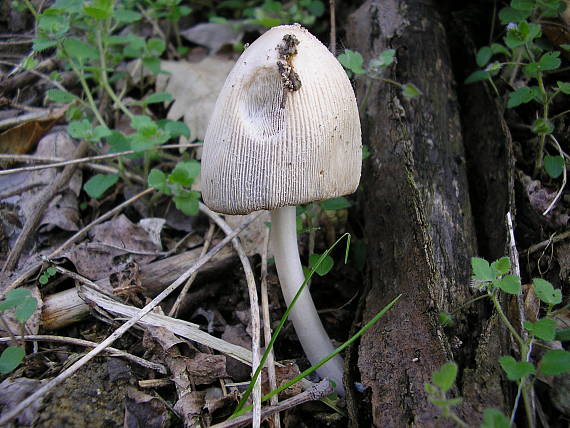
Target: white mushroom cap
[[262, 151]]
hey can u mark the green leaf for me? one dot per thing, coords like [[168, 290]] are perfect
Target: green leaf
[[482, 271], [41, 44], [520, 96], [51, 271], [43, 279], [155, 46], [409, 90], [184, 173], [502, 266], [157, 179], [15, 297], [565, 47], [97, 185], [143, 123], [483, 56], [175, 128], [563, 335], [99, 132], [126, 16], [542, 127], [352, 61], [153, 64], [550, 61], [564, 87], [52, 24], [118, 142], [335, 204], [509, 284], [188, 205], [445, 376], [554, 165], [493, 418], [59, 96], [546, 292], [430, 389], [544, 328], [159, 97], [99, 9], [11, 358], [555, 362], [445, 319], [526, 5], [75, 48], [80, 129], [324, 267], [316, 8], [477, 76], [516, 370], [497, 48], [508, 15], [383, 60], [25, 309]]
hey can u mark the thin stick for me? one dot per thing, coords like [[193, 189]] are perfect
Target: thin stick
[[267, 327], [43, 201], [255, 319], [207, 241], [320, 390], [551, 240], [122, 329], [559, 193], [57, 164], [114, 352], [332, 13], [37, 73], [32, 270]]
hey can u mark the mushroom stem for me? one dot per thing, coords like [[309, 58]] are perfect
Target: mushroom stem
[[310, 330]]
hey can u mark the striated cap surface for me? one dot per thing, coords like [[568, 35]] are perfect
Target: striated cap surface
[[285, 129]]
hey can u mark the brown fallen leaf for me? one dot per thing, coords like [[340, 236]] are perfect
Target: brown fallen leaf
[[23, 138], [144, 410]]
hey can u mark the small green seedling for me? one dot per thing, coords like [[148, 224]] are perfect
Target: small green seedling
[[24, 305]]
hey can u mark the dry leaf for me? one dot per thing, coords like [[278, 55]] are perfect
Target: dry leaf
[[213, 35], [195, 88], [143, 410], [14, 391], [22, 138], [253, 237]]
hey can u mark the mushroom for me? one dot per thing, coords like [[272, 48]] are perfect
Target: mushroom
[[285, 131]]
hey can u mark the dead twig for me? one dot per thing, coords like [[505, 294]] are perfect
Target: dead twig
[[267, 327], [8, 416], [60, 162], [114, 352], [318, 391], [43, 201], [255, 319], [332, 14]]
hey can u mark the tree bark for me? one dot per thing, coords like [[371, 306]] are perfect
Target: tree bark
[[418, 223]]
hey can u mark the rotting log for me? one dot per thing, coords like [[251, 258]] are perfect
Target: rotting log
[[416, 210]]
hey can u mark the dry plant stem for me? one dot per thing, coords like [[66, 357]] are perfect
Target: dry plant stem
[[255, 319], [332, 13], [8, 416], [58, 162], [46, 197], [18, 120], [308, 326], [207, 241], [80, 342], [318, 391], [552, 240], [267, 327], [32, 270], [38, 74]]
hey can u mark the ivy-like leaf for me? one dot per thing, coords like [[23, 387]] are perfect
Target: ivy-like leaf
[[445, 376], [554, 165], [555, 362], [482, 271], [544, 328], [514, 369], [97, 185], [324, 267], [546, 292], [509, 284]]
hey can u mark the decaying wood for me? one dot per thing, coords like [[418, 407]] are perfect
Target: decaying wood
[[66, 307], [417, 213]]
